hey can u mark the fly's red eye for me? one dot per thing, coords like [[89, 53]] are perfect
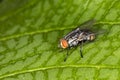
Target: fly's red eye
[[63, 43]]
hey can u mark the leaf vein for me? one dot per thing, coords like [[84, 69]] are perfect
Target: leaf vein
[[60, 67], [49, 30]]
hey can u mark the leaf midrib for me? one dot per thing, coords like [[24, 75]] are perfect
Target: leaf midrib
[[50, 30], [98, 67]]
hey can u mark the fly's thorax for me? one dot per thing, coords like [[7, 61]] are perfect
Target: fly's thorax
[[73, 42], [64, 43]]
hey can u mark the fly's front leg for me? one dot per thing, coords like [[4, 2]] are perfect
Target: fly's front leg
[[81, 48], [66, 54], [60, 50]]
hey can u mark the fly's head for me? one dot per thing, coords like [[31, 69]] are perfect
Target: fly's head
[[63, 43]]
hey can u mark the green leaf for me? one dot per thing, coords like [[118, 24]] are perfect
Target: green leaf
[[30, 31]]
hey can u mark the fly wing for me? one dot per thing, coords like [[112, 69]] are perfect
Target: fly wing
[[88, 24], [74, 32], [85, 25]]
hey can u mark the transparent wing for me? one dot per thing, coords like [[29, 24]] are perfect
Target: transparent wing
[[72, 33], [97, 29], [88, 24]]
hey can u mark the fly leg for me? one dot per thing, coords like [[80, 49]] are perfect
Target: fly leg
[[81, 48], [66, 55], [60, 50]]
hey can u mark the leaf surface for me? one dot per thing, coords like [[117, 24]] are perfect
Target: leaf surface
[[30, 31]]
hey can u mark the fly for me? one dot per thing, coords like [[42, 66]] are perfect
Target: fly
[[77, 37]]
